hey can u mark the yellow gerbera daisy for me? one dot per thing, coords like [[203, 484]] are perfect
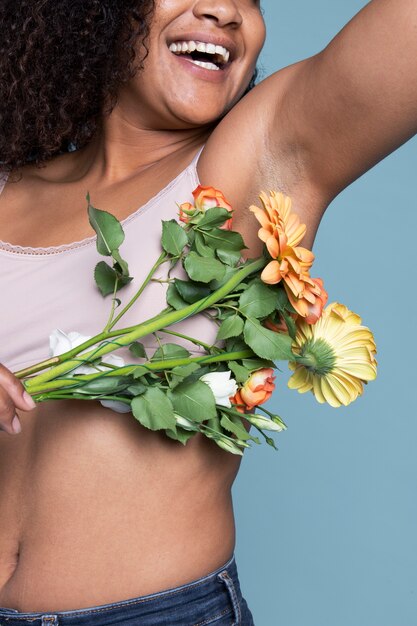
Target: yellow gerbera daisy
[[336, 356]]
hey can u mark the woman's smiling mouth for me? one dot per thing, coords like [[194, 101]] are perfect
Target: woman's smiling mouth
[[206, 55]]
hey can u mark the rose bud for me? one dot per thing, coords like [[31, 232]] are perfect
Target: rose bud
[[258, 388], [185, 206]]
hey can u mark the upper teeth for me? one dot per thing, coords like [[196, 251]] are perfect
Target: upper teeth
[[208, 48]]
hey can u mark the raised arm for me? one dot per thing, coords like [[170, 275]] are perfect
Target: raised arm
[[356, 101], [312, 128]]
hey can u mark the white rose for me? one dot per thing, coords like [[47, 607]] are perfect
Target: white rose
[[60, 342], [222, 386]]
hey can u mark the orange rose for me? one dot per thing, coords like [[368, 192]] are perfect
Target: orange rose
[[185, 206], [237, 400], [258, 388], [208, 198]]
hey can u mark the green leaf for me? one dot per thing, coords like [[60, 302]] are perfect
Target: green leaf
[[154, 410], [190, 292], [283, 303], [203, 269], [183, 371], [267, 344], [235, 426], [236, 344], [291, 325], [174, 237], [224, 239], [216, 216], [230, 257], [191, 236], [258, 300], [180, 434], [214, 423], [198, 373], [231, 327], [282, 299], [123, 281], [105, 277], [257, 364], [174, 299], [228, 273], [201, 247], [170, 351], [240, 373], [121, 265], [137, 388], [138, 350], [109, 231], [139, 371], [194, 400]]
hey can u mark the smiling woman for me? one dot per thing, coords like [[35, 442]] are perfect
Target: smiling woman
[[102, 520]]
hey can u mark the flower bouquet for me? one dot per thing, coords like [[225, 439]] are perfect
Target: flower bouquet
[[266, 309]]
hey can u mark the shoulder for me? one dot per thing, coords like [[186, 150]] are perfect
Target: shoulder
[[253, 148]]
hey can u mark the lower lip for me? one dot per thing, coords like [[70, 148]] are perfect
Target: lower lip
[[214, 76]]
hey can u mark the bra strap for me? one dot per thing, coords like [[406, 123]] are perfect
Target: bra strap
[[192, 168]]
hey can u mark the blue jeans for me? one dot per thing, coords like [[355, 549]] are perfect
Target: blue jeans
[[215, 599]]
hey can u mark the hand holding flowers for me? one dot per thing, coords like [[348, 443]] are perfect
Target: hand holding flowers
[[266, 309]]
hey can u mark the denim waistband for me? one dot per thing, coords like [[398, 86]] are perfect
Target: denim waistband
[[201, 600]]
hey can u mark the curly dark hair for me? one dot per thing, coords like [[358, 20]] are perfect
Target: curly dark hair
[[61, 65]]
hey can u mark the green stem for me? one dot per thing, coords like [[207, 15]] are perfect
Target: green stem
[[56, 360], [55, 395], [113, 306], [127, 370], [150, 326], [261, 408], [163, 257], [197, 342]]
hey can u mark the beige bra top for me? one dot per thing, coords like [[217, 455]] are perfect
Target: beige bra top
[[47, 288]]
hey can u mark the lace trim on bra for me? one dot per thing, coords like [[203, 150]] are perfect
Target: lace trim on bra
[[75, 245]]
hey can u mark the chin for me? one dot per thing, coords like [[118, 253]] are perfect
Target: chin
[[195, 116]]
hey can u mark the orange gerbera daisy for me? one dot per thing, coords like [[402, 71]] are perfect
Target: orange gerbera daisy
[[279, 227], [281, 231]]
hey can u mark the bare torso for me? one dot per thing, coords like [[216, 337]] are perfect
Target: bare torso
[[99, 510]]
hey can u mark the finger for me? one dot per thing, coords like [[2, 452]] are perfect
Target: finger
[[15, 389], [9, 421]]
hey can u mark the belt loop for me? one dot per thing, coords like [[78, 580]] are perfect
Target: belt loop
[[224, 576], [49, 620]]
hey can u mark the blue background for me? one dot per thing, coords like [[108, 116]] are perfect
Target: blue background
[[327, 526]]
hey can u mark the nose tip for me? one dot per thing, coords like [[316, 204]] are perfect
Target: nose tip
[[222, 12]]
